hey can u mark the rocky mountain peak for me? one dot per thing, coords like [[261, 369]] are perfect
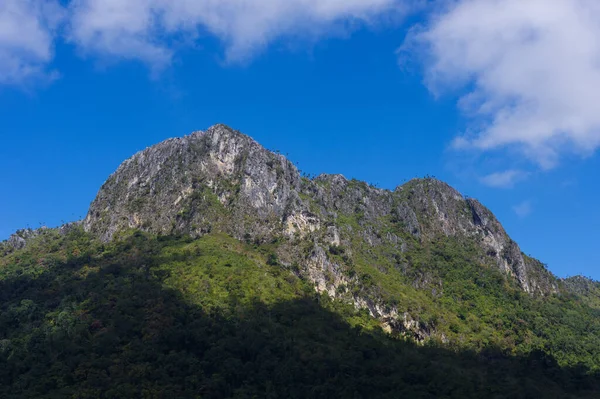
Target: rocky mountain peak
[[581, 285], [184, 185], [222, 180]]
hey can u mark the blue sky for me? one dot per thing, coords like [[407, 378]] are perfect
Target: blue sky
[[496, 98]]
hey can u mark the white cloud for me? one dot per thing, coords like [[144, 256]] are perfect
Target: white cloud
[[505, 179], [26, 39], [146, 29], [153, 30], [523, 209], [531, 69]]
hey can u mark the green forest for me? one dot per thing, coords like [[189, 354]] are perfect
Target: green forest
[[148, 316]]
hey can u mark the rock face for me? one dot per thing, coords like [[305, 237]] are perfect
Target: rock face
[[22, 237], [214, 179], [220, 180], [585, 288]]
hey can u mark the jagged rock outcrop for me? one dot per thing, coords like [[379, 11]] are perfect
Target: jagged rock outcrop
[[22, 237], [585, 288], [581, 285], [222, 180], [214, 179]]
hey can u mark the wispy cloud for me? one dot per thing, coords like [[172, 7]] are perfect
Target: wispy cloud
[[568, 183], [27, 31], [523, 209], [505, 179], [530, 68]]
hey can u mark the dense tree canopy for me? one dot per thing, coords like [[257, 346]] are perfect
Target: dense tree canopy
[[158, 317]]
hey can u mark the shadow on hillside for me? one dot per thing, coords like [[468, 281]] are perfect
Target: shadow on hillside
[[110, 329]]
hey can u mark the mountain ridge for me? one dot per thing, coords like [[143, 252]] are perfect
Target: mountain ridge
[[268, 185], [163, 316], [221, 180]]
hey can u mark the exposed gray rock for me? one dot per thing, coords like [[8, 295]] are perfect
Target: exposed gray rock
[[581, 285], [585, 288], [21, 238], [214, 179]]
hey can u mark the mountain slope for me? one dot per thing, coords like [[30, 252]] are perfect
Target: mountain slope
[[586, 289], [223, 181], [147, 317]]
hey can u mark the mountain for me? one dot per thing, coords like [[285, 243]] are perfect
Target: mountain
[[223, 181], [215, 251]]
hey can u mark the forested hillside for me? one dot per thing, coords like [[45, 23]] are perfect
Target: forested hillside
[[156, 317], [210, 267]]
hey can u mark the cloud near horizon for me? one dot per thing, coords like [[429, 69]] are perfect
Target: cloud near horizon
[[528, 72], [523, 209]]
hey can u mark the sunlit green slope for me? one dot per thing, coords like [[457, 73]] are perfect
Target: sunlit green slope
[[165, 317]]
